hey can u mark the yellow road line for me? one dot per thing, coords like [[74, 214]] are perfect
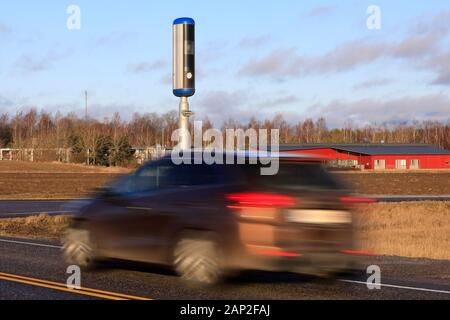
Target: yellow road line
[[62, 287], [59, 288]]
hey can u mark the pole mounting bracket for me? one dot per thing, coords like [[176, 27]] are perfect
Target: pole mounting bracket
[[187, 113]]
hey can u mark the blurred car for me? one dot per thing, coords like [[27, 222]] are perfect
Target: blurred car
[[209, 220]]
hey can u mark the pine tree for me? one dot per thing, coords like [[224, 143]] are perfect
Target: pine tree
[[103, 149], [123, 151]]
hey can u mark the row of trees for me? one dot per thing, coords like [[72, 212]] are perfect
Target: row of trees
[[109, 142]]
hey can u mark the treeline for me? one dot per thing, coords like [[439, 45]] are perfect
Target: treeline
[[111, 141]]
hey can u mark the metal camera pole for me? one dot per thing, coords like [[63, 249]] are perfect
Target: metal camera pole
[[185, 114], [184, 73]]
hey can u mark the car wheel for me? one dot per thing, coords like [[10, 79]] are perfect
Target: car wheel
[[78, 248], [198, 260]]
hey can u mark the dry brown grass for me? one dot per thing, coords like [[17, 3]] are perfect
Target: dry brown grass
[[21, 180], [34, 227], [415, 229], [399, 182], [54, 167], [20, 186]]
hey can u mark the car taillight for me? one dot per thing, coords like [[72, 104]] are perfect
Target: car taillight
[[260, 200], [360, 253], [357, 200], [280, 254]]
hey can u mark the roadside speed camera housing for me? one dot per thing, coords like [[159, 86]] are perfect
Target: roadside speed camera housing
[[184, 57]]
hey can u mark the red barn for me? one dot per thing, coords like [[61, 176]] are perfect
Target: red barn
[[377, 156]]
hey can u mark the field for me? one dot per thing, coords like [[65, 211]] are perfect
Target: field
[[399, 183], [50, 186], [54, 167], [416, 229], [27, 180]]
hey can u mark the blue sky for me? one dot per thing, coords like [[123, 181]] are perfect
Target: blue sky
[[254, 58]]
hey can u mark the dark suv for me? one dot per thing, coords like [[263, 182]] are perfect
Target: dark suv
[[207, 220]]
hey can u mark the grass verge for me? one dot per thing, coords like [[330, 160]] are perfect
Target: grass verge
[[34, 227], [409, 229]]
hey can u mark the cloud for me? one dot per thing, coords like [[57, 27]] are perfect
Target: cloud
[[208, 52], [377, 82], [279, 63], [29, 64], [107, 110], [241, 106], [275, 102], [254, 42], [99, 111], [321, 11], [286, 62], [114, 38], [367, 111], [145, 67], [346, 57], [5, 102], [219, 101], [282, 100], [218, 104], [432, 23], [440, 64], [4, 29], [166, 79], [442, 79], [417, 45], [283, 63]]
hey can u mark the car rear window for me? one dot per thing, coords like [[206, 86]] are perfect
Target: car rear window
[[188, 175], [295, 176]]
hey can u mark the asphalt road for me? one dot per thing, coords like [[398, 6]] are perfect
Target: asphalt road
[[17, 208], [411, 198], [23, 208], [35, 270]]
